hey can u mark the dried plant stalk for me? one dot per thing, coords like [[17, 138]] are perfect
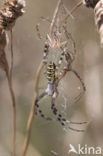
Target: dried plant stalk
[[4, 66], [11, 67], [97, 5], [9, 13], [98, 12], [14, 111], [12, 96], [32, 112], [3, 60], [55, 15], [90, 3]]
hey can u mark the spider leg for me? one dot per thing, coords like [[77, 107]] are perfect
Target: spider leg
[[45, 55], [37, 100], [69, 36], [62, 120], [77, 75], [83, 85], [38, 110], [77, 123], [76, 130], [69, 59], [38, 32], [60, 60], [45, 19], [56, 112], [63, 73], [38, 29], [46, 51]]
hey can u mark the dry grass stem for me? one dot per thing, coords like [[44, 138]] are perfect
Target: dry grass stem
[[14, 111], [12, 96], [4, 66], [10, 11], [55, 15], [3, 60]]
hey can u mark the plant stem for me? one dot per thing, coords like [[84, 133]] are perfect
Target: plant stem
[[14, 112], [9, 77]]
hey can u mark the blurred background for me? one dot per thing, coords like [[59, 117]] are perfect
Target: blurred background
[[49, 138]]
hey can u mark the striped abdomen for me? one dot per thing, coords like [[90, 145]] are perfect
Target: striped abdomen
[[51, 72]]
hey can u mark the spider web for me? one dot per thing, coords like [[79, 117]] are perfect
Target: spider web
[[55, 31], [58, 34], [56, 25]]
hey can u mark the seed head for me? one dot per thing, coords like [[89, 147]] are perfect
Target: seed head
[[98, 11], [90, 3], [3, 60], [10, 11]]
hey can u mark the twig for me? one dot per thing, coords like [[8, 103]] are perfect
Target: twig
[[32, 113], [11, 67], [14, 112], [55, 15], [9, 77], [10, 11]]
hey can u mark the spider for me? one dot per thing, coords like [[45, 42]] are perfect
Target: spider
[[53, 77], [53, 71]]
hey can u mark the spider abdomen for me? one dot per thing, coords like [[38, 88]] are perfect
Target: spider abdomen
[[51, 72]]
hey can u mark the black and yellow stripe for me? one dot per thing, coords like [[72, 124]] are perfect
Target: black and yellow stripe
[[51, 72]]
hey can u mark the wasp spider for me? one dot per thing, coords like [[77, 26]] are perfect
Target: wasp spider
[[57, 39]]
